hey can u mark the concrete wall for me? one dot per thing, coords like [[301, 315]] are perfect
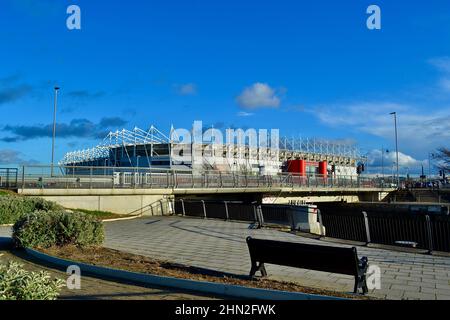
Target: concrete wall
[[121, 204], [136, 201]]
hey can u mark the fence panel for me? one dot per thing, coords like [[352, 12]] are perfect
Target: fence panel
[[178, 207], [276, 214], [242, 212], [440, 226], [389, 228], [8, 178], [215, 210], [348, 226], [193, 208]]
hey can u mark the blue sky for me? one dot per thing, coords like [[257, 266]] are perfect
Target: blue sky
[[307, 68]]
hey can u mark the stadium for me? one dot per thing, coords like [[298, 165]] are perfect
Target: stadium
[[153, 149]]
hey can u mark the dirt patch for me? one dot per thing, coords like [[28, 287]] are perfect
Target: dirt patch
[[102, 215], [115, 259]]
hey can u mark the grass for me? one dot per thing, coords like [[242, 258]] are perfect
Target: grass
[[102, 215], [7, 193]]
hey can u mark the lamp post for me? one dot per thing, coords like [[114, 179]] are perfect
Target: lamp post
[[54, 128], [430, 155], [396, 146]]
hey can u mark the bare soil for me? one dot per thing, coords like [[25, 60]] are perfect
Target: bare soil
[[115, 259]]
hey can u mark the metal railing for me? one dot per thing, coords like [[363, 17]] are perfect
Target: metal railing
[[69, 177], [430, 232], [8, 178], [235, 210]]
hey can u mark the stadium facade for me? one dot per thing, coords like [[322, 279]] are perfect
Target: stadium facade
[[151, 148]]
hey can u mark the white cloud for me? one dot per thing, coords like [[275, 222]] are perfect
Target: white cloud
[[258, 95], [418, 129], [187, 89], [390, 158], [244, 114], [441, 63]]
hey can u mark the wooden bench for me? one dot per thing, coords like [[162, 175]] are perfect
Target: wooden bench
[[306, 256]]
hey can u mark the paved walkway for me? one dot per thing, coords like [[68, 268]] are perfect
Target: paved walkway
[[220, 245]]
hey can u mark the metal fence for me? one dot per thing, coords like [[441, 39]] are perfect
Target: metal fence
[[263, 214], [430, 232], [226, 210], [8, 178], [69, 177]]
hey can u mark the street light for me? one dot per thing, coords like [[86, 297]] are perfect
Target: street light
[[396, 146], [54, 128], [430, 155]]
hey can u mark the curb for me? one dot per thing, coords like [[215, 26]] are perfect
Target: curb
[[6, 243], [233, 291], [6, 225], [120, 219]]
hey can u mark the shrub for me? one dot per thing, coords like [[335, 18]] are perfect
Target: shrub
[[19, 284], [58, 228], [12, 208]]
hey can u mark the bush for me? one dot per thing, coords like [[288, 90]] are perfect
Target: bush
[[19, 284], [58, 228], [12, 208]]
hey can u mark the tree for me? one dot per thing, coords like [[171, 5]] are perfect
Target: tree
[[442, 156]]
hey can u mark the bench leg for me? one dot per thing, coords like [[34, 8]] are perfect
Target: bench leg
[[262, 269], [255, 268], [360, 279], [360, 282]]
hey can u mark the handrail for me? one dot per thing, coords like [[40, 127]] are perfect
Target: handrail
[[39, 176]]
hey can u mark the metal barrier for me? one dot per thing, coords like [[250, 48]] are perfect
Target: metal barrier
[[440, 228], [345, 226], [226, 210], [65, 177], [8, 178], [235, 210], [430, 232], [277, 214]]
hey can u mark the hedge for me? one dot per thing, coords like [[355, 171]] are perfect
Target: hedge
[[12, 208], [58, 228]]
